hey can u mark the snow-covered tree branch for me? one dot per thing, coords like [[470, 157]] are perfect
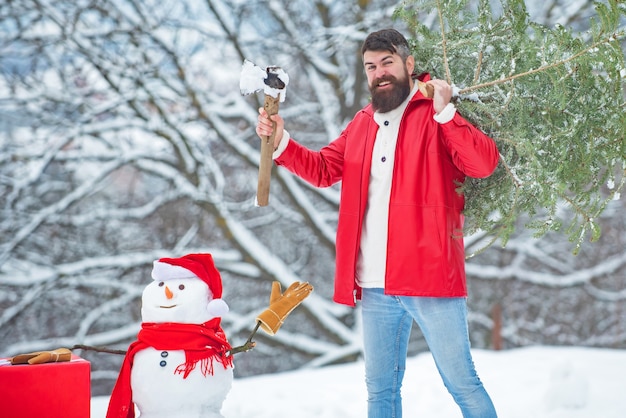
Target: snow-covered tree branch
[[552, 98], [124, 138]]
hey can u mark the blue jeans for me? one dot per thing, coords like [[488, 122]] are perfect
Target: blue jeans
[[387, 322]]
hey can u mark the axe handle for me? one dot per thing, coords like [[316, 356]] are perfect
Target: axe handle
[[267, 149]]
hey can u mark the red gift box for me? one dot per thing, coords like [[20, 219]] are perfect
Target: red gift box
[[49, 390]]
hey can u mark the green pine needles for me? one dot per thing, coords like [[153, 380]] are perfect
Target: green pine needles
[[553, 100]]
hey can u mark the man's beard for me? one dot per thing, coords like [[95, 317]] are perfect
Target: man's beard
[[389, 99]]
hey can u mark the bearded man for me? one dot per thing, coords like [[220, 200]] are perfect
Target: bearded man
[[399, 244]]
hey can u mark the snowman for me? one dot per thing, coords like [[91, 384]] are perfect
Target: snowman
[[180, 366]]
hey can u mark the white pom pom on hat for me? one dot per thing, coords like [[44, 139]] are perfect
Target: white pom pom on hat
[[189, 266]]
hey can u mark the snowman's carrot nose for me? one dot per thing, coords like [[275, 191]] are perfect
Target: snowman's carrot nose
[[168, 293]]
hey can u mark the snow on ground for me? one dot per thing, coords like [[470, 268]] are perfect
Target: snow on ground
[[532, 382]]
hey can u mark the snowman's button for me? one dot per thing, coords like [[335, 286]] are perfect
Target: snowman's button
[[163, 363], [164, 354]]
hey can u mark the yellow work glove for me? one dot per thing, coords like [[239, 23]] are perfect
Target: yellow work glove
[[54, 356], [281, 305]]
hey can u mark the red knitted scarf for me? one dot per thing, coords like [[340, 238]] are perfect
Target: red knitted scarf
[[203, 343]]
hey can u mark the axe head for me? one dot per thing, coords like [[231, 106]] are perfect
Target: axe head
[[272, 80]]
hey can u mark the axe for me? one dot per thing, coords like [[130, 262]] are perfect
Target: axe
[[273, 81]]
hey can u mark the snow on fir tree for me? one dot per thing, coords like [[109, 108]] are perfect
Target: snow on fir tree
[[552, 100], [180, 366]]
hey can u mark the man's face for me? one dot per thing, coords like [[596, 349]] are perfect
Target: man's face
[[388, 79]]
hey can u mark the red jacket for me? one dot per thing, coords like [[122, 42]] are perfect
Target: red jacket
[[425, 250]]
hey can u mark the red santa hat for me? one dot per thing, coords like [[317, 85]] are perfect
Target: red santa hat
[[200, 266]]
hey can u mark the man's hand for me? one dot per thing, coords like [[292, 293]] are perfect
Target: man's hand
[[265, 126], [442, 95], [281, 305]]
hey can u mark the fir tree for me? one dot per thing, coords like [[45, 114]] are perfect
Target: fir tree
[[553, 100]]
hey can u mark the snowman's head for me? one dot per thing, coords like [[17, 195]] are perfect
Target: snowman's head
[[181, 291]]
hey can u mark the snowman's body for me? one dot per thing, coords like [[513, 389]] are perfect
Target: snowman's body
[[158, 390]]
